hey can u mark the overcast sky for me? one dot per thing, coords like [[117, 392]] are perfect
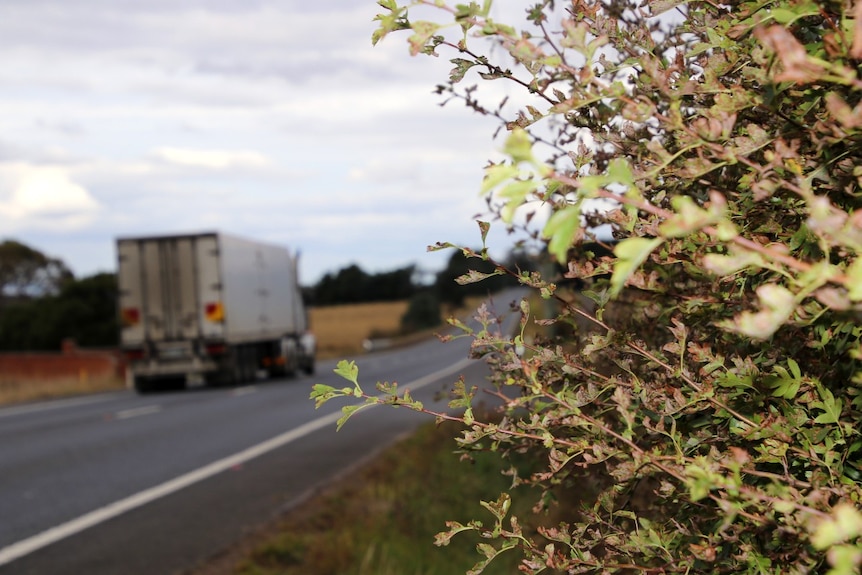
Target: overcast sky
[[271, 119]]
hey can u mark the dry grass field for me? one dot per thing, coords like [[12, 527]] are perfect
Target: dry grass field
[[341, 329]]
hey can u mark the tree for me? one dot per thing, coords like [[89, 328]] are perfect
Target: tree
[[712, 392], [353, 285], [423, 311], [26, 272], [84, 310]]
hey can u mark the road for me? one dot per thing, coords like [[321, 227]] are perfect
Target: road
[[118, 483]]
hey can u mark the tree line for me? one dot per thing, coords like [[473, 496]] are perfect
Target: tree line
[[42, 302]]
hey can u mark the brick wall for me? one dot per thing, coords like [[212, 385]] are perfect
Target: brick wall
[[71, 362]]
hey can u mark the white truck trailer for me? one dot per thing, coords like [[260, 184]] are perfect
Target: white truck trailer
[[209, 308]]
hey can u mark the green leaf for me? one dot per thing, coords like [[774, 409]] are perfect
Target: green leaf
[[777, 304], [514, 195], [455, 322], [831, 407], [445, 537], [845, 559], [788, 16], [484, 227], [468, 416], [474, 276], [620, 172], [519, 146], [725, 265], [845, 524], [786, 388], [321, 393], [589, 185], [460, 69], [689, 217], [794, 368], [500, 507], [631, 253], [422, 32], [701, 478], [389, 22], [348, 411], [659, 6], [562, 229], [348, 370], [442, 246], [854, 277], [496, 175]]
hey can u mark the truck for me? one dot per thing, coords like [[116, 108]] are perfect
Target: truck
[[209, 309]]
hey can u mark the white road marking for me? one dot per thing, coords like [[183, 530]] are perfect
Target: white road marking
[[93, 518], [51, 405], [239, 392], [137, 412]]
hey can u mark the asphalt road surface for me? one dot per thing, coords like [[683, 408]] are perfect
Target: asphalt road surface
[[124, 484]]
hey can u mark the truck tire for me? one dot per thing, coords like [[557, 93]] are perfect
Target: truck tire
[[289, 355], [308, 366], [142, 385], [251, 364], [237, 371], [244, 365]]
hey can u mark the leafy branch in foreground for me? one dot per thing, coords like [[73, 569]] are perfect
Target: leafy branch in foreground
[[707, 378]]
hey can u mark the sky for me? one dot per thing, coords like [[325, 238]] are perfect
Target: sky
[[274, 120]]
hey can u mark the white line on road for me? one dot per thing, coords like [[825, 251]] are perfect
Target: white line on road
[[137, 412], [54, 534]]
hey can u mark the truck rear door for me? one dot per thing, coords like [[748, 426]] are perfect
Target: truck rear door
[[178, 284]]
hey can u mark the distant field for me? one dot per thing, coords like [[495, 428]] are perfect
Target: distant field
[[341, 329]]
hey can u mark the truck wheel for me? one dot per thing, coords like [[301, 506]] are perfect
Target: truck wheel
[[251, 363], [143, 385], [237, 367], [244, 368], [289, 353], [308, 368], [174, 383]]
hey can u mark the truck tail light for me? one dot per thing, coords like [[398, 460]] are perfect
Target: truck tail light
[[214, 311], [134, 354], [130, 316], [214, 349]]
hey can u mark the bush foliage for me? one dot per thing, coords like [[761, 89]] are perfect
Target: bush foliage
[[713, 386]]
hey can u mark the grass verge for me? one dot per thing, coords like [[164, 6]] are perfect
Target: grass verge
[[20, 391], [382, 519]]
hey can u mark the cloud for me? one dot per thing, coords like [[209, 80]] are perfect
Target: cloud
[[43, 197], [212, 159], [272, 119]]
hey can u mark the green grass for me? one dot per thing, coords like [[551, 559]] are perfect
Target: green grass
[[383, 520]]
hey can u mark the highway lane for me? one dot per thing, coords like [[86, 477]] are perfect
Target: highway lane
[[64, 464]]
